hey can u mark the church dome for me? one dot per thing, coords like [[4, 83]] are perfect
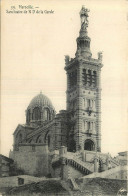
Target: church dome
[[39, 110], [40, 100]]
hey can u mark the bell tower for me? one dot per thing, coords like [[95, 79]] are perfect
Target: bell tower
[[84, 93]]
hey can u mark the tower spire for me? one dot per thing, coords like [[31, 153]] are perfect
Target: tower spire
[[83, 41]]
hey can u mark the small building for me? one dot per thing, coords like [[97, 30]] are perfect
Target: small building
[[122, 158], [5, 164]]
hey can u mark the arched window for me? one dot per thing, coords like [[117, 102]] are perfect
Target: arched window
[[84, 76], [47, 115], [36, 114], [28, 116], [89, 145], [94, 79], [20, 138], [89, 78]]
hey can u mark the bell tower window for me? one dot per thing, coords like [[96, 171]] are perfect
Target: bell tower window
[[73, 78], [84, 77], [89, 78], [94, 79]]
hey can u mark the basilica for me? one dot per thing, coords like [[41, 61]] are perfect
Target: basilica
[[68, 144]]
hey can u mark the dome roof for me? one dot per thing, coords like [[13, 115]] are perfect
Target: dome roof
[[40, 101]]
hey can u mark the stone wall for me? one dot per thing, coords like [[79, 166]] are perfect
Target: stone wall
[[12, 181], [33, 161], [5, 165], [57, 172], [4, 168], [66, 172], [119, 172]]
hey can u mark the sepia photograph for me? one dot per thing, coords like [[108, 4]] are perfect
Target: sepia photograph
[[64, 95]]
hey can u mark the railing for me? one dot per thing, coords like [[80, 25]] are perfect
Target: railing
[[73, 160], [85, 165], [115, 162]]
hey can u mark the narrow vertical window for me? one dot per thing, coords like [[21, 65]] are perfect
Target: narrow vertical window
[[88, 102], [36, 114], [88, 125], [20, 138], [28, 116], [84, 77], [89, 78], [94, 79]]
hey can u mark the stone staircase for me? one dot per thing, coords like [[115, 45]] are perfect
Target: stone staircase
[[84, 167], [115, 162]]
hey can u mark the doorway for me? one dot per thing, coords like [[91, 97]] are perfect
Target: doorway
[[89, 145]]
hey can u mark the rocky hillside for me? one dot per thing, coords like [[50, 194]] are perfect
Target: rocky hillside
[[80, 187]]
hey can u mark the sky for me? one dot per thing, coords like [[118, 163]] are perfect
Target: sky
[[33, 47]]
